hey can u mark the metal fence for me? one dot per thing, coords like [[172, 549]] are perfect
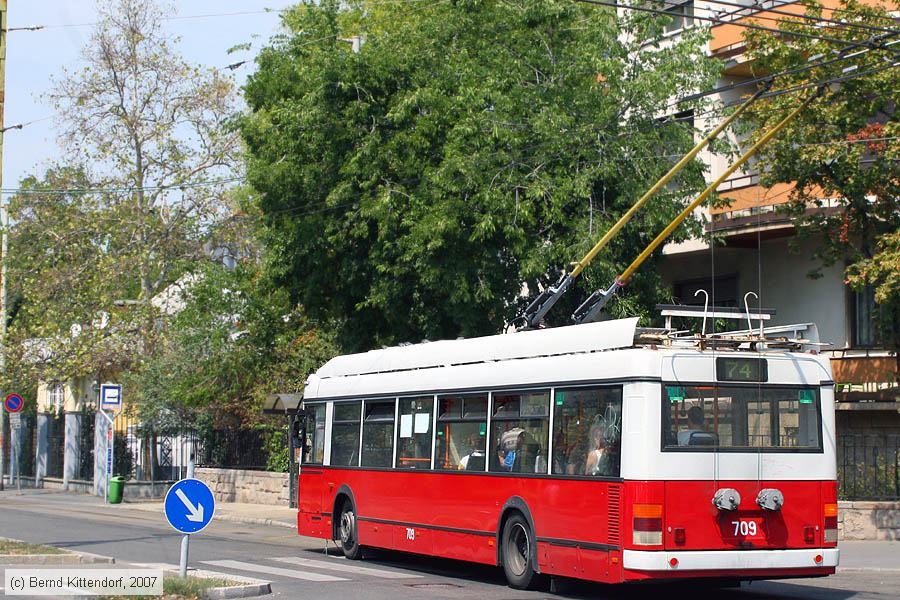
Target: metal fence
[[56, 444], [234, 448], [86, 446], [150, 453], [868, 467]]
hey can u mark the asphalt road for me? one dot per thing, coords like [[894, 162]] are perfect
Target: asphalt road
[[299, 568]]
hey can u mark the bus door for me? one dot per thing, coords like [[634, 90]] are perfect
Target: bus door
[[310, 489]]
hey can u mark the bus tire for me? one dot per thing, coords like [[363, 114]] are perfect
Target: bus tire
[[516, 553], [349, 532]]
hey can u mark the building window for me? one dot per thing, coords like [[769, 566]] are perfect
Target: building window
[[56, 396], [681, 16], [723, 291], [865, 315]]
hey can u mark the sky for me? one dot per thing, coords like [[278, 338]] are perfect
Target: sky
[[34, 57]]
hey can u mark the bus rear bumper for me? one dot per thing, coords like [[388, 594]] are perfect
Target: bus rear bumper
[[730, 560]]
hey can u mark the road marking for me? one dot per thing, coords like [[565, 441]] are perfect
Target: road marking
[[291, 573], [200, 572], [336, 565]]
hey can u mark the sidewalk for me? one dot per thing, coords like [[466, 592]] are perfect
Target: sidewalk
[[236, 512]]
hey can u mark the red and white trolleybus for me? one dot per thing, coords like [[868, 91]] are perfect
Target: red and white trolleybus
[[598, 451]]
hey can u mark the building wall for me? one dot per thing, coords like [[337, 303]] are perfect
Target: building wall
[[255, 487], [786, 287], [78, 393]]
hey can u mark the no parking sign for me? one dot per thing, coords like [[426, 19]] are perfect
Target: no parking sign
[[13, 403]]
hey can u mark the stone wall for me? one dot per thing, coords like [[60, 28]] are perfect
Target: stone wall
[[255, 487], [865, 520]]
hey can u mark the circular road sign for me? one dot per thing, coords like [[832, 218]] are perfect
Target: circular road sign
[[14, 403], [189, 505]]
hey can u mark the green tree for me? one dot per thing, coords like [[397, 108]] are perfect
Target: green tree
[[141, 198], [232, 344], [410, 189], [842, 154]]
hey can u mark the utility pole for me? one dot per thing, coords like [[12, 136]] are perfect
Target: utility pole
[[4, 221]]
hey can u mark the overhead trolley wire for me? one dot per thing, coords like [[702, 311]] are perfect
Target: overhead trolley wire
[[775, 10], [661, 11], [793, 71]]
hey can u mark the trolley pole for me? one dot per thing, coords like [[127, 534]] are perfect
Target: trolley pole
[[4, 221]]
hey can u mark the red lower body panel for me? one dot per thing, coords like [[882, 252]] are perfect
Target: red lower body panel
[[581, 526]]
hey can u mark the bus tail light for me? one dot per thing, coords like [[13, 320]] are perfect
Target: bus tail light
[[647, 524], [831, 520], [809, 534]]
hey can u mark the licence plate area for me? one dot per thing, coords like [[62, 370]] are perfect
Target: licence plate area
[[743, 528]]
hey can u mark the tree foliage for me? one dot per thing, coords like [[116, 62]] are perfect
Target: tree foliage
[[141, 198], [843, 154], [410, 189], [233, 343]]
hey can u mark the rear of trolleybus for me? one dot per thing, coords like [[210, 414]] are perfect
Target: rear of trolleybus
[[729, 468]]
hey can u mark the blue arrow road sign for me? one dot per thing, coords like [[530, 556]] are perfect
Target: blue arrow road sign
[[189, 505]]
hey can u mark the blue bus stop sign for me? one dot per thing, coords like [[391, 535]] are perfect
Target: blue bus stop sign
[[189, 505]]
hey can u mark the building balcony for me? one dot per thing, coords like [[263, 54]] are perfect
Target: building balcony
[[728, 39]]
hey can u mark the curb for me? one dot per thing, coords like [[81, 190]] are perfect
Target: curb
[[249, 588], [55, 559], [68, 557], [254, 521]]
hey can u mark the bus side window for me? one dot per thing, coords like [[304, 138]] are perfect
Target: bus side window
[[345, 434], [587, 431], [315, 434], [520, 432], [378, 434], [461, 433], [414, 433]]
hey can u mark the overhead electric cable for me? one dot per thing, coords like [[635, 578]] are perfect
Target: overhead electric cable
[[661, 11], [807, 67], [760, 8]]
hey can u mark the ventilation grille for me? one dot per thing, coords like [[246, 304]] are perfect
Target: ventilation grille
[[614, 514]]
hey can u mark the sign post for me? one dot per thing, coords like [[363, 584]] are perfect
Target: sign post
[[110, 399], [13, 404], [190, 506]]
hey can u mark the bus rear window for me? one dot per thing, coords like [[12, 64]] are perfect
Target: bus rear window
[[740, 418]]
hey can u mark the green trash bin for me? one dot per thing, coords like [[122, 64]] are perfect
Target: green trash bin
[[116, 489]]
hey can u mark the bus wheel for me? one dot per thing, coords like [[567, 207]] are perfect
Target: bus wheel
[[348, 532], [517, 553]]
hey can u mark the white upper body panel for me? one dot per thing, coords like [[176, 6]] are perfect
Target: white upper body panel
[[601, 352], [592, 337]]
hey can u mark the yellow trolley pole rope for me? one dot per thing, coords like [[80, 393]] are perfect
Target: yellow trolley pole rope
[[589, 309], [545, 301]]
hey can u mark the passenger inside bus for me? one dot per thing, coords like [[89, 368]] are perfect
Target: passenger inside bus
[[598, 459], [474, 460], [509, 453], [695, 425]]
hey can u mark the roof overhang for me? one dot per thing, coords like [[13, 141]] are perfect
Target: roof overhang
[[282, 404]]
